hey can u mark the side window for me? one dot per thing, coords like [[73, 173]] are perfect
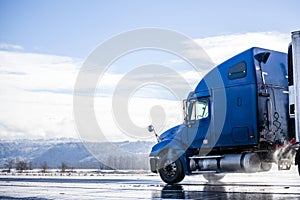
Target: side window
[[200, 110], [237, 71]]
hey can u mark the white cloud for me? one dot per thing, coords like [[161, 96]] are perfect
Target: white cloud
[[221, 48], [36, 95], [13, 47], [37, 71], [36, 114], [139, 111], [36, 90]]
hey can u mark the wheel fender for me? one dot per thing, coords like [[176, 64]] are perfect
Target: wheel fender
[[171, 148], [166, 145]]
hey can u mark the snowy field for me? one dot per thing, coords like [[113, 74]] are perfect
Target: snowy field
[[267, 185]]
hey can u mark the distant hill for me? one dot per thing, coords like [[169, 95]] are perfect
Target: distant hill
[[54, 152]]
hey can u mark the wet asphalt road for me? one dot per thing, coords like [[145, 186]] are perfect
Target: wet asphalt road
[[267, 185]]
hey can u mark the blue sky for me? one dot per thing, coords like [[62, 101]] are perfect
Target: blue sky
[[74, 28], [44, 43]]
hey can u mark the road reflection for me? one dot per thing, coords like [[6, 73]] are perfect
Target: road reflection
[[173, 192], [210, 191]]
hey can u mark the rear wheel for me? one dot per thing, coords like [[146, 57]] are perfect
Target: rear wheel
[[171, 172], [213, 177]]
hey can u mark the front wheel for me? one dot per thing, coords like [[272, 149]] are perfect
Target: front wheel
[[171, 172]]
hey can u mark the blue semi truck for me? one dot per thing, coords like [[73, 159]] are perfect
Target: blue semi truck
[[243, 123]]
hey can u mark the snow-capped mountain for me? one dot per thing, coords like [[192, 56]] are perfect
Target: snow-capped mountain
[[74, 153]]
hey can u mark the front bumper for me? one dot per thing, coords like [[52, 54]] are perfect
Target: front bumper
[[154, 164]]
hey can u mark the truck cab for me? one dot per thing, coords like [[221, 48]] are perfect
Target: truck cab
[[236, 120]]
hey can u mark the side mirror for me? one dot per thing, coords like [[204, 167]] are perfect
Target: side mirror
[[150, 128]]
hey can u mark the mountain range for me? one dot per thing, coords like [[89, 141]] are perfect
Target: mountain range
[[75, 154]]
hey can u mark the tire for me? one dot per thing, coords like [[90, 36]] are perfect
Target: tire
[[213, 177], [171, 172]]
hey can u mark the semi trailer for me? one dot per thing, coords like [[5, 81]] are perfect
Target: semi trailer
[[241, 124]]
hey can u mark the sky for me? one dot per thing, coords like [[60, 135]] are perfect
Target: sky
[[43, 45], [73, 28]]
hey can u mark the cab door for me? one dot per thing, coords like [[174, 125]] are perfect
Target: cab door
[[198, 123]]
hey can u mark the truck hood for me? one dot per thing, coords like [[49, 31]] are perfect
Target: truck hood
[[170, 133]]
